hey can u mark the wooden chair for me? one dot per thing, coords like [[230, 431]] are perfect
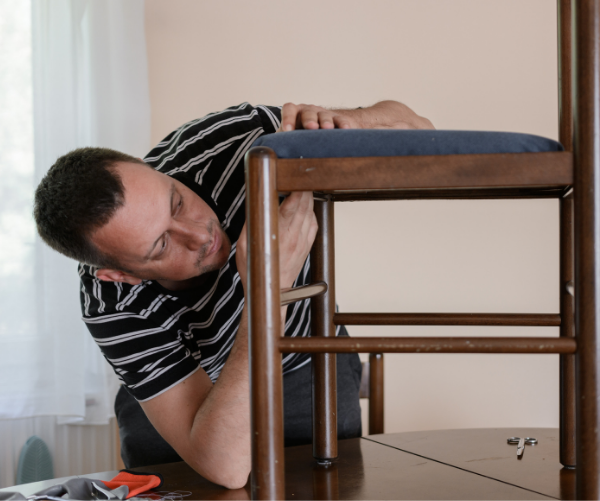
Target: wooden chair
[[371, 387], [572, 176]]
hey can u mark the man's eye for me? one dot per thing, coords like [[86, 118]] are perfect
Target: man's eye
[[163, 246]]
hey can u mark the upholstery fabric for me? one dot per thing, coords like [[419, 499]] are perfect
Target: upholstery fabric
[[338, 143]]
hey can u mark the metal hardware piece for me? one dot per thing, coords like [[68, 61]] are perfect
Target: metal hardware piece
[[570, 288], [299, 293], [521, 444]]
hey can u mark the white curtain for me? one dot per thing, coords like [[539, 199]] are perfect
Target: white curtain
[[87, 62]]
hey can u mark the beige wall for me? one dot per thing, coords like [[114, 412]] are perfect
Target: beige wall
[[465, 64]]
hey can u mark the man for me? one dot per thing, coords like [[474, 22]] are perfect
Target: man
[[162, 246]]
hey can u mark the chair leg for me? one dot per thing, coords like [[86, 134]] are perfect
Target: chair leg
[[567, 325], [322, 266], [567, 329], [587, 244], [325, 480], [375, 393], [264, 326]]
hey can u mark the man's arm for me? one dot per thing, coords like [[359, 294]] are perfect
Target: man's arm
[[383, 115], [209, 425]]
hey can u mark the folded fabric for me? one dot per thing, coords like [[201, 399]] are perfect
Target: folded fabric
[[126, 485]]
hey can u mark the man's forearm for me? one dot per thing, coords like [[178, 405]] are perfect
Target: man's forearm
[[220, 432], [221, 427], [216, 437]]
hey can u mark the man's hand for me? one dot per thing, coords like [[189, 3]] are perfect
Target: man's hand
[[241, 257], [391, 115], [383, 115], [297, 231], [308, 116]]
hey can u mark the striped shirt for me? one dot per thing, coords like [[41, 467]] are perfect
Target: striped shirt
[[154, 338]]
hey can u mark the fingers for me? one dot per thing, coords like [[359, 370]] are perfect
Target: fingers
[[299, 116], [382, 115], [294, 210], [326, 119], [309, 117], [343, 122], [312, 232], [297, 230], [297, 201], [289, 112], [309, 231]]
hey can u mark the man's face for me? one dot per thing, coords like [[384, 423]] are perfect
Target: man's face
[[164, 231]]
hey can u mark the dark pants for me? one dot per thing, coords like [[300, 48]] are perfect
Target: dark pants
[[141, 445]]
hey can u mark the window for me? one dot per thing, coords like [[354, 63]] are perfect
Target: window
[[17, 229]]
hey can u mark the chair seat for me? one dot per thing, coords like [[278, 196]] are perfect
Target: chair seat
[[419, 164], [339, 143]]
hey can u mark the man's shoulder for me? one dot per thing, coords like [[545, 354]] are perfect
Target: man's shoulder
[[198, 141], [207, 155], [103, 301], [98, 297]]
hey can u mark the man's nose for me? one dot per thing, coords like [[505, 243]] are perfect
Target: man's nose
[[193, 235]]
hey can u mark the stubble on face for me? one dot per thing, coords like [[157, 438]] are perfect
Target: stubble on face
[[213, 227]]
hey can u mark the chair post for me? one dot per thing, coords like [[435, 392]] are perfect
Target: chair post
[[567, 325], [324, 375], [567, 329], [375, 393], [565, 74], [587, 244], [264, 326]]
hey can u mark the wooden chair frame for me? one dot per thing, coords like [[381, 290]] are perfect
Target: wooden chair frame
[[371, 387], [571, 176]]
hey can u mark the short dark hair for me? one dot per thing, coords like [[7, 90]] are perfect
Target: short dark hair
[[78, 195]]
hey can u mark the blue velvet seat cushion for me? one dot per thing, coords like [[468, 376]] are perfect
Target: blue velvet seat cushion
[[336, 143]]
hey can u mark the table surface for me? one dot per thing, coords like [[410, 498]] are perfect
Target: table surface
[[442, 464]]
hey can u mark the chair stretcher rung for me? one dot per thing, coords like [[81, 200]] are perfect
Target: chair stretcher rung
[[502, 170], [294, 294], [443, 194], [513, 319], [427, 345]]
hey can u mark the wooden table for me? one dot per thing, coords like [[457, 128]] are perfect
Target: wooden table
[[444, 464]]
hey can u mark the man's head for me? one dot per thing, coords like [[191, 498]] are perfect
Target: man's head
[[115, 212]]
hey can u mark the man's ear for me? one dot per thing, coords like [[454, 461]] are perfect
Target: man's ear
[[109, 275]]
